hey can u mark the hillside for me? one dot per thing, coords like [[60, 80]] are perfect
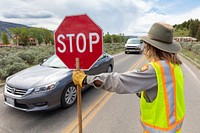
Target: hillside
[[4, 26]]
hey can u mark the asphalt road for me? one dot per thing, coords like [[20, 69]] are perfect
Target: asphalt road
[[103, 112]]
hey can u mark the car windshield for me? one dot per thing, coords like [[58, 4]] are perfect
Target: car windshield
[[54, 62], [133, 41]]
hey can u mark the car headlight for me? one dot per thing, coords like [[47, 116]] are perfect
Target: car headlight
[[45, 88]]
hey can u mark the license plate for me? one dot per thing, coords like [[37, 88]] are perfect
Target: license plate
[[10, 100]]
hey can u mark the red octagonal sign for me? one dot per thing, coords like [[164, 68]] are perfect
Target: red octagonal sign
[[78, 37]]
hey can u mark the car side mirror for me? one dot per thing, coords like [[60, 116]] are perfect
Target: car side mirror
[[104, 56], [43, 61]]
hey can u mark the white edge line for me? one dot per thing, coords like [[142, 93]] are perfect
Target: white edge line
[[191, 72]]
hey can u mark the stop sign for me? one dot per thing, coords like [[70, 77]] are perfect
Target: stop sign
[[78, 37]]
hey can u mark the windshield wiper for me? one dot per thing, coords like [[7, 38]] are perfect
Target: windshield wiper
[[53, 67], [56, 67]]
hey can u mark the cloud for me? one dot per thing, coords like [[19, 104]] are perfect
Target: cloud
[[114, 16], [27, 0], [27, 14], [144, 22], [185, 16]]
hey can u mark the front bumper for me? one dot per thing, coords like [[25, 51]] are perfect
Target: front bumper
[[33, 102], [132, 49]]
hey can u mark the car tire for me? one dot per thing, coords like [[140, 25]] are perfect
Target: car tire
[[68, 96], [126, 52], [109, 69]]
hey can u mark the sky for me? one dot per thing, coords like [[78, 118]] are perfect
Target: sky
[[129, 17]]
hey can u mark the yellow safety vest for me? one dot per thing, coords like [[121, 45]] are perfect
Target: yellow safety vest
[[166, 113]]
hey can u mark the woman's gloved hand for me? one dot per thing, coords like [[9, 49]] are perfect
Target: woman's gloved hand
[[78, 76]]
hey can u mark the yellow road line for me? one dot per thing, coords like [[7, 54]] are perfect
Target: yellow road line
[[74, 124], [97, 109], [93, 109], [137, 63]]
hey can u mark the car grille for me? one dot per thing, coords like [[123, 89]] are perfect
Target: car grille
[[132, 47], [15, 91]]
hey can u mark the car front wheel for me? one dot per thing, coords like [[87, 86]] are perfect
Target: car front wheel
[[68, 96]]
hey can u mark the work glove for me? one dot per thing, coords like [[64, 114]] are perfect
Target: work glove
[[78, 77]]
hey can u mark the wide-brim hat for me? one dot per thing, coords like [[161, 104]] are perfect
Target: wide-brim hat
[[160, 36]]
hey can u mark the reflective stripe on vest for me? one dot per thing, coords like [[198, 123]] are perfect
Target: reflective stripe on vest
[[153, 129], [169, 119]]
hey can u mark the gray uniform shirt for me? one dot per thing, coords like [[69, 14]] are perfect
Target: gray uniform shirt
[[129, 82]]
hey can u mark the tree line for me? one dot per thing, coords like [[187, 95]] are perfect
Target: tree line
[[28, 36], [188, 28], [114, 38], [41, 35], [23, 35]]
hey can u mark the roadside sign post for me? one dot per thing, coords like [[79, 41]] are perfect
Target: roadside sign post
[[79, 44]]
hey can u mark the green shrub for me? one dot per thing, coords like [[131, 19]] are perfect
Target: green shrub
[[196, 48], [16, 67], [51, 50], [28, 56], [113, 48], [3, 52], [3, 74], [15, 59], [40, 58], [9, 60], [189, 47]]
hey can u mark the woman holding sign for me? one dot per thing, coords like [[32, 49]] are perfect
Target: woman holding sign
[[160, 82]]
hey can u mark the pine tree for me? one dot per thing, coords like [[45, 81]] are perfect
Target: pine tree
[[194, 27], [198, 34], [4, 38]]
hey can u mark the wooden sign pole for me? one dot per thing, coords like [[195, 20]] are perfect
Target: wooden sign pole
[[79, 99]]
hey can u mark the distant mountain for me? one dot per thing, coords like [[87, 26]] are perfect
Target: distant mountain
[[4, 26]]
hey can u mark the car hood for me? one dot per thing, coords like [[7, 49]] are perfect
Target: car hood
[[37, 76]]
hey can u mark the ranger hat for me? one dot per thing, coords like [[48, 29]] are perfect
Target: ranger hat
[[160, 36]]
